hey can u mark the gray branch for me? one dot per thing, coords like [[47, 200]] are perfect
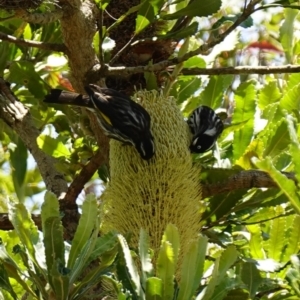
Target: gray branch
[[17, 116]]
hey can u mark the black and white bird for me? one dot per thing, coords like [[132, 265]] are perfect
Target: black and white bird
[[120, 117], [206, 127]]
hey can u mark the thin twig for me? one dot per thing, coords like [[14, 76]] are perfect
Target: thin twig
[[83, 177], [98, 72], [35, 44], [127, 45]]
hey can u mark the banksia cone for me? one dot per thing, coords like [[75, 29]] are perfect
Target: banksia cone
[[165, 189]]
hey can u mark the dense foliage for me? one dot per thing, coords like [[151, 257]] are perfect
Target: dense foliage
[[238, 57]]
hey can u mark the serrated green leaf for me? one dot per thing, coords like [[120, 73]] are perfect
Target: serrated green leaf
[[144, 254], [286, 185], [171, 235], [132, 273], [184, 88], [221, 204], [50, 207], [88, 281], [277, 234], [207, 292], [192, 268], [88, 219], [18, 159], [227, 259], [105, 243], [291, 99], [196, 8], [213, 93], [293, 240], [269, 94], [245, 96], [147, 14], [52, 146], [4, 282], [294, 146], [154, 289], [84, 256], [25, 228], [251, 277], [256, 243], [53, 241], [276, 139], [165, 269], [287, 32], [60, 281], [292, 81]]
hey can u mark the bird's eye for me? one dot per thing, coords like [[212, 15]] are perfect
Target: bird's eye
[[198, 147]]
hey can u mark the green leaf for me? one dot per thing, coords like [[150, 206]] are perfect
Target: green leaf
[[269, 94], [105, 243], [60, 281], [144, 254], [4, 282], [53, 241], [184, 88], [88, 281], [84, 256], [291, 99], [220, 205], [294, 145], [276, 242], [25, 228], [102, 4], [182, 33], [147, 13], [256, 243], [292, 246], [133, 277], [50, 207], [23, 73], [196, 8], [88, 220], [192, 268], [227, 259], [245, 96], [276, 139], [151, 81], [154, 289], [171, 235], [251, 277], [52, 146], [18, 158], [207, 292], [286, 185], [213, 93], [287, 32], [165, 269]]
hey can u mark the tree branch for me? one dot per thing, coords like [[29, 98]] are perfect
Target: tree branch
[[17, 116], [242, 70], [39, 18], [98, 72], [242, 180], [83, 177], [35, 44]]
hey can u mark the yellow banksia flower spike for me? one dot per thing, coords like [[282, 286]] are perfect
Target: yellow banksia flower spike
[[165, 189]]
